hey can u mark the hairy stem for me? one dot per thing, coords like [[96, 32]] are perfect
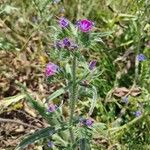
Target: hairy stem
[[73, 97], [137, 52]]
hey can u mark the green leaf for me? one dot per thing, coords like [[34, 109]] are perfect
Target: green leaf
[[56, 94], [59, 140], [46, 132], [100, 130], [52, 120], [68, 70], [36, 105], [11, 100], [93, 100], [74, 30]]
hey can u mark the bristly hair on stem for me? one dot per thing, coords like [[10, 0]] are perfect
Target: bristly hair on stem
[[72, 97]]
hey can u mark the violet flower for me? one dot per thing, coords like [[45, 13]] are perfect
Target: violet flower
[[52, 108], [50, 144], [89, 122], [85, 25], [51, 69], [125, 100], [66, 42], [141, 57], [138, 113], [63, 22], [86, 122], [92, 64]]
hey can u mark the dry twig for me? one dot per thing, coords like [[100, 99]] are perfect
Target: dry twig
[[18, 122]]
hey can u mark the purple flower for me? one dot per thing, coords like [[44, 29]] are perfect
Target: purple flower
[[92, 64], [89, 122], [63, 22], [141, 57], [138, 113], [66, 42], [51, 69], [50, 144], [52, 108], [86, 122], [85, 25], [125, 100]]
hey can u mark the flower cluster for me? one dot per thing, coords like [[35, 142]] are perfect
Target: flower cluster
[[67, 44], [85, 25], [51, 69], [63, 22], [86, 122], [92, 64], [52, 108], [138, 113], [141, 57], [50, 144]]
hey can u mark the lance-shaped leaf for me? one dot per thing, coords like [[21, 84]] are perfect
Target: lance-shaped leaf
[[39, 107], [11, 100], [56, 94], [38, 135], [93, 100]]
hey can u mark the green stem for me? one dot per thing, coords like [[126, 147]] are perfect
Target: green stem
[[73, 97], [137, 52]]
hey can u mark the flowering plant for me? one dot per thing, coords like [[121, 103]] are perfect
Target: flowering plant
[[85, 25], [69, 44]]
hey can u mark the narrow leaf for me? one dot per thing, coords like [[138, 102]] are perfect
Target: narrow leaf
[[11, 100], [46, 132], [36, 106], [39, 107], [56, 94], [51, 119], [93, 100]]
